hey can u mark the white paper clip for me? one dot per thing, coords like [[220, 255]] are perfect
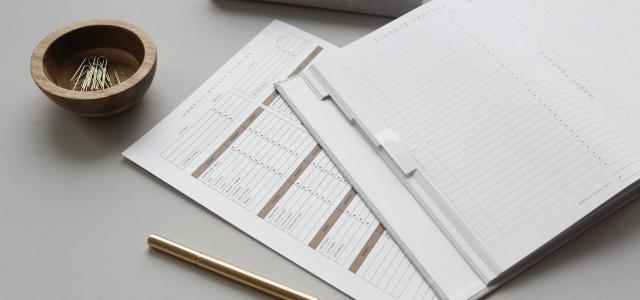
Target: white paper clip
[[388, 140], [315, 84]]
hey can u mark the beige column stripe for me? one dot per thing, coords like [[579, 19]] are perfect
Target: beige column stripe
[[296, 71], [333, 218], [216, 154], [306, 61], [289, 182], [227, 143], [366, 249], [270, 99]]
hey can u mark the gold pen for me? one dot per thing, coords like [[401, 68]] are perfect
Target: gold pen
[[227, 270]]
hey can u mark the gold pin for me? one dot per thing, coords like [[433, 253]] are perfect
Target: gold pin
[[93, 74]]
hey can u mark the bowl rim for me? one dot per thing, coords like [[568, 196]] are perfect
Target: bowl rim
[[43, 81]]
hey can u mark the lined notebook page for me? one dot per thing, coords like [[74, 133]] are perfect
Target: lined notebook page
[[518, 145]]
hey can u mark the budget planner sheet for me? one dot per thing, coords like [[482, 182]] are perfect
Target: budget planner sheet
[[487, 113], [235, 147]]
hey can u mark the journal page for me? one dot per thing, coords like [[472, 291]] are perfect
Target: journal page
[[492, 125], [236, 148], [382, 191]]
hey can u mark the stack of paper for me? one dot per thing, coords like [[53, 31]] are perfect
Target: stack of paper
[[236, 148], [480, 135], [489, 124]]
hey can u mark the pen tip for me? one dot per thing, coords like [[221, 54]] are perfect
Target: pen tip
[[151, 238]]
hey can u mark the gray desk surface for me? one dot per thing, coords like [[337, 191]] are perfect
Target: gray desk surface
[[74, 214]]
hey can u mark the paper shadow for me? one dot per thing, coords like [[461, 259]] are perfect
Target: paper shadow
[[613, 232], [296, 12]]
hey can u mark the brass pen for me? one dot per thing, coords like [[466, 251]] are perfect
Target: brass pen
[[227, 270]]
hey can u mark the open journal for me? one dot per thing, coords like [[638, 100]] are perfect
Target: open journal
[[235, 147], [485, 133]]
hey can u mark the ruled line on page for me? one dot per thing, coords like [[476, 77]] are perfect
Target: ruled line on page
[[499, 138]]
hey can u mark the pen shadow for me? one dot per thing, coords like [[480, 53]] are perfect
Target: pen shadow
[[247, 292], [616, 231], [89, 139], [294, 13]]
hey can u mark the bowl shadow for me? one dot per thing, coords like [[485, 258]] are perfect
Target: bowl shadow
[[90, 139]]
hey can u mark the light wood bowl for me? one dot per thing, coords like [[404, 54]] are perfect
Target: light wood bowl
[[130, 50]]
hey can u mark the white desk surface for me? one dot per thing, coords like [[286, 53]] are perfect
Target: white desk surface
[[74, 214]]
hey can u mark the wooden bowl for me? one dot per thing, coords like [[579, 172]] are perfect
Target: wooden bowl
[[129, 50]]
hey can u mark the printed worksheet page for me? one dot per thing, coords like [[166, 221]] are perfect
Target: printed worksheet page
[[235, 147], [508, 137]]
